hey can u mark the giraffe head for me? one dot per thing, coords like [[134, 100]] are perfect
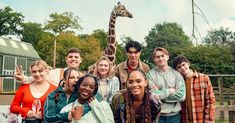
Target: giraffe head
[[121, 11]]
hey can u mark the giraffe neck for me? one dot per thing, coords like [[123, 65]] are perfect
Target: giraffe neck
[[110, 51]]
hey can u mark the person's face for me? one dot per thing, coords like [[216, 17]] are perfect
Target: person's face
[[38, 73], [137, 83], [73, 60], [183, 68], [86, 88], [133, 54], [103, 67], [71, 80], [161, 59]]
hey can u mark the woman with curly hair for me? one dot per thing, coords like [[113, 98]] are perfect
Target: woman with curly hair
[[135, 105]]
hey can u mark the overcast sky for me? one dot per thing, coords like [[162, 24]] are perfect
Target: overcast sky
[[146, 13]]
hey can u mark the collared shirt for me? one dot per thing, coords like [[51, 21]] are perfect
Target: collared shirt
[[122, 72], [203, 100]]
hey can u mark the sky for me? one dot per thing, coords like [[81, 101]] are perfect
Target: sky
[[95, 14]]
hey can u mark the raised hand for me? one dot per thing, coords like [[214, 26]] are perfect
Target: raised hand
[[19, 75], [77, 112]]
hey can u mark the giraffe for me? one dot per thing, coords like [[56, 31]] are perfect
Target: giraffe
[[110, 50]]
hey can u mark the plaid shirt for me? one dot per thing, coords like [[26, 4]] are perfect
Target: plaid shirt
[[203, 100]]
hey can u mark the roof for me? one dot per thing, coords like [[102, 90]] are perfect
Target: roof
[[17, 48]]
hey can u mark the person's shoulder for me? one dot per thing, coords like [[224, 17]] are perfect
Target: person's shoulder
[[121, 64], [56, 90], [23, 86], [119, 96]]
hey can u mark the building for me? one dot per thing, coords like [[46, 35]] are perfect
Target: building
[[13, 53]]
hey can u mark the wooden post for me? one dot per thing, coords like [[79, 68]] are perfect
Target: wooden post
[[220, 90], [54, 54], [231, 113]]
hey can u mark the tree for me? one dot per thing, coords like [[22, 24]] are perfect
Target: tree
[[221, 37], [102, 37], [164, 35], [32, 33], [10, 21], [65, 22]]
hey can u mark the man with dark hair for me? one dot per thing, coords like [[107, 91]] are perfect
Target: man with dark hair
[[73, 60], [133, 51], [199, 105]]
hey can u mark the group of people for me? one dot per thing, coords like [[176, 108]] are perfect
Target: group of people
[[131, 92]]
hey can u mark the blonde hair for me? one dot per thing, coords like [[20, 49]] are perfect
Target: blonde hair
[[110, 71], [40, 63], [160, 49]]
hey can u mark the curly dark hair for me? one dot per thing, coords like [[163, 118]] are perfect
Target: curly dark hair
[[130, 113], [79, 82]]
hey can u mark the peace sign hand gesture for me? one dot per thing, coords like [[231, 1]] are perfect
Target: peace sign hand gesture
[[19, 75]]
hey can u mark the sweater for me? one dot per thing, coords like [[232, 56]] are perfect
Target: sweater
[[23, 100], [160, 82], [100, 112]]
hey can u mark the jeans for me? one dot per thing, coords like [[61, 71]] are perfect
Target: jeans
[[170, 119]]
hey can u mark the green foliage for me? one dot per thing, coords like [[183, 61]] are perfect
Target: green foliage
[[91, 52], [168, 35], [65, 22], [221, 37], [10, 21], [45, 48], [120, 54], [102, 37], [32, 33]]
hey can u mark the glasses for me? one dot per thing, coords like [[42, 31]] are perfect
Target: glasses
[[131, 52]]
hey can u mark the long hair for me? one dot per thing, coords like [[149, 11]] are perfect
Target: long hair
[[145, 109], [110, 73], [66, 76]]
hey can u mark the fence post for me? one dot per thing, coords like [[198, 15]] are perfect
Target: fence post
[[220, 90]]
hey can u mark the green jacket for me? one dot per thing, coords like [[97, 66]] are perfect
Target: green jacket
[[55, 101]]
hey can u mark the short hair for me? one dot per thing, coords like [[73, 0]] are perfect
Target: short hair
[[160, 49], [40, 63], [73, 50], [134, 44], [79, 82], [178, 60]]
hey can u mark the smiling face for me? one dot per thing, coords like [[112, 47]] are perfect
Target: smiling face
[[137, 83], [71, 80], [161, 59], [103, 68], [87, 88], [73, 60], [183, 68], [38, 73]]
